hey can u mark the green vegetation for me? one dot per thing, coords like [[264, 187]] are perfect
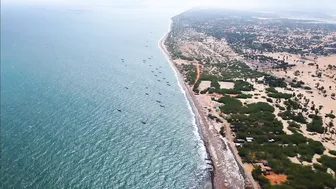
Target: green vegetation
[[275, 82], [243, 86], [298, 176], [280, 107], [290, 115], [332, 116], [178, 54], [257, 175], [292, 105], [257, 120], [328, 162], [244, 96], [232, 105], [280, 95], [229, 91], [196, 85], [332, 152], [205, 91], [222, 131], [215, 84], [320, 167], [190, 72], [316, 125], [293, 126], [271, 90]]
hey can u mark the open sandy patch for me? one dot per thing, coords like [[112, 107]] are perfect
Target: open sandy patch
[[204, 85], [226, 85]]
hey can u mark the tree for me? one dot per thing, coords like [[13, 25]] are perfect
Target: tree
[[320, 107]]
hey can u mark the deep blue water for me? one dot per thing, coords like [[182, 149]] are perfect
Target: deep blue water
[[62, 81]]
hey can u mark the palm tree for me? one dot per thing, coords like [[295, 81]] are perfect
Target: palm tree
[[320, 107]]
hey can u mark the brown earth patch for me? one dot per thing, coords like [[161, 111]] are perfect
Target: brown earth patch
[[276, 178]]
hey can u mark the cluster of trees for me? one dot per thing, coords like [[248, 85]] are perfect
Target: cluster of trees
[[190, 73], [316, 125], [280, 95], [271, 90], [178, 54], [275, 82], [243, 86], [244, 96], [290, 115], [298, 176], [258, 121], [328, 162], [333, 152], [299, 84], [258, 176], [233, 105], [239, 86], [236, 69]]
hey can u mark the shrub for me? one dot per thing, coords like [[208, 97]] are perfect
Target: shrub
[[222, 132], [259, 107], [333, 152], [328, 162], [316, 124], [215, 84], [244, 96], [269, 100], [320, 167], [332, 116], [271, 90], [229, 91], [280, 95], [243, 86], [231, 105]]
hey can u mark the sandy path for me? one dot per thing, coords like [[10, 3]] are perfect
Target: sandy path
[[198, 71]]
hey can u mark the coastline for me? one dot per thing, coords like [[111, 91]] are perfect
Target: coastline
[[220, 153], [188, 95]]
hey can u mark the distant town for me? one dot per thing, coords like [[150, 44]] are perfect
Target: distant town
[[264, 88]]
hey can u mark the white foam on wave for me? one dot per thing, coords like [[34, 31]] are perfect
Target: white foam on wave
[[200, 143]]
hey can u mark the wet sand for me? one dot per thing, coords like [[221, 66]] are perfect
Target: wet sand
[[226, 170]]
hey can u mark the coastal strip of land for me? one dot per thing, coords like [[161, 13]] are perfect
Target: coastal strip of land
[[263, 92], [226, 172]]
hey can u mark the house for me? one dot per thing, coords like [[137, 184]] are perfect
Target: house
[[266, 170], [239, 140], [249, 139], [271, 140], [302, 61], [238, 144], [260, 79]]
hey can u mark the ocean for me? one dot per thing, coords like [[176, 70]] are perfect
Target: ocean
[[88, 100]]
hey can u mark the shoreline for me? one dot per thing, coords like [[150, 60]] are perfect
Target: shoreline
[[218, 152], [190, 101]]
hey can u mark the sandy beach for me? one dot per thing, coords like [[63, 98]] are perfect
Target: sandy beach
[[226, 172]]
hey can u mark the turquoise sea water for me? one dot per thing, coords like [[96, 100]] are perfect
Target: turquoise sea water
[[62, 81]]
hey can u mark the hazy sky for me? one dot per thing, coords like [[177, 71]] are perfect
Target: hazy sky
[[246, 4]]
